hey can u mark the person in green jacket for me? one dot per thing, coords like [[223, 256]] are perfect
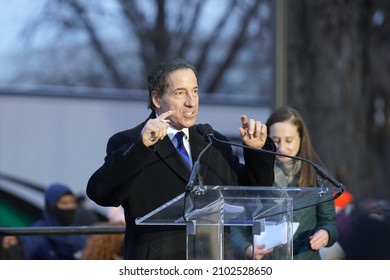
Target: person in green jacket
[[317, 224]]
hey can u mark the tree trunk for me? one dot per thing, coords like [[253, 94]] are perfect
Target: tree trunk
[[329, 83]]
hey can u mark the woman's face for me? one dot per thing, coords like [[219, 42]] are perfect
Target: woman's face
[[286, 138]]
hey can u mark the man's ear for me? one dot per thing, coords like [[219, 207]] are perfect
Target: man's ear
[[156, 99]]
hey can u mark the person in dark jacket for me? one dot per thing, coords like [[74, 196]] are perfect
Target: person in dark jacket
[[11, 248], [143, 169], [317, 224], [60, 209], [370, 231]]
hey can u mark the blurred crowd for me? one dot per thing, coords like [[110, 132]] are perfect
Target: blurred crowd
[[63, 208], [364, 230]]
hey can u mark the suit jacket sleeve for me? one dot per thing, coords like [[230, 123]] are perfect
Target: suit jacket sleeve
[[259, 166], [126, 157]]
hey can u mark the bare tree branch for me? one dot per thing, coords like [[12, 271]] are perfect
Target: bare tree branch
[[201, 63], [148, 36], [235, 47], [96, 42], [188, 35]]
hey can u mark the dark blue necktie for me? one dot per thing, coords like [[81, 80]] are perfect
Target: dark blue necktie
[[181, 149]]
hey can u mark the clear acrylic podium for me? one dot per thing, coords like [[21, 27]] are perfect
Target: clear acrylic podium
[[209, 212]]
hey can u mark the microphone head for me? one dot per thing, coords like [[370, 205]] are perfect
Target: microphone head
[[205, 129], [209, 129]]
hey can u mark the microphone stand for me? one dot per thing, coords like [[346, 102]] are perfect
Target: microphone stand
[[321, 174], [195, 177]]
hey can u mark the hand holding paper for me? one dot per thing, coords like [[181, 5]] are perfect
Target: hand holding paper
[[274, 235]]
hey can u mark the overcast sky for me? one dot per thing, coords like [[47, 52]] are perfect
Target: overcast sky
[[13, 17]]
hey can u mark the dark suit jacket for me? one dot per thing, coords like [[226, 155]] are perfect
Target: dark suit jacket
[[142, 179]]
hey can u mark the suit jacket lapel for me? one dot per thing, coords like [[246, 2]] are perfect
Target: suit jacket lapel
[[168, 154], [198, 143]]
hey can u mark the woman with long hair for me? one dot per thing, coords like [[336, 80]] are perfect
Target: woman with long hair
[[317, 224]]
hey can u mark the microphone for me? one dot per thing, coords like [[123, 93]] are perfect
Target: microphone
[[208, 131], [195, 177]]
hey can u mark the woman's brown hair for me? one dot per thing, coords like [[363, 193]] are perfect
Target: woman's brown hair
[[104, 246], [308, 175]]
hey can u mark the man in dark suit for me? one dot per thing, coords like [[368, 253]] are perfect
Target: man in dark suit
[[143, 169]]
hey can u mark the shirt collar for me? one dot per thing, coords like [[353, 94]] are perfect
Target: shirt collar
[[171, 132]]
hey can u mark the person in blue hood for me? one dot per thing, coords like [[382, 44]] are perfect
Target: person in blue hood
[[60, 209]]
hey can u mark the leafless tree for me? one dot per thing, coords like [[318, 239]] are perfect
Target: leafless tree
[[216, 36]]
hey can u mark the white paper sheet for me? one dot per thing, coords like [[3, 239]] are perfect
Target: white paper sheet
[[274, 235]]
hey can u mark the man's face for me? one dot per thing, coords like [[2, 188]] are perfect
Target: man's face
[[67, 202], [181, 96]]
